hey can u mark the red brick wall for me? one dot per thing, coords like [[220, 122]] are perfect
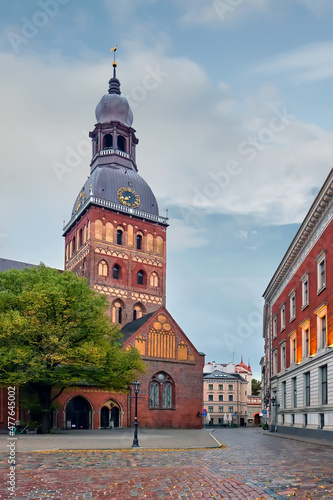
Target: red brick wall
[[309, 266]]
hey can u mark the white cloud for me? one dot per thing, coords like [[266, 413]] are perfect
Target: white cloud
[[188, 137], [310, 62], [181, 237], [214, 12]]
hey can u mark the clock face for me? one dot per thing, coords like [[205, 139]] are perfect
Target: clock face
[[80, 200], [128, 197]]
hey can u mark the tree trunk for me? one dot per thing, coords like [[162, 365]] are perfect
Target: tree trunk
[[43, 414]]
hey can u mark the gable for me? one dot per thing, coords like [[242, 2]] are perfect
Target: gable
[[160, 337]]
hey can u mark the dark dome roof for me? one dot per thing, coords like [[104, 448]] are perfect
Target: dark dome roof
[[106, 182], [114, 107]]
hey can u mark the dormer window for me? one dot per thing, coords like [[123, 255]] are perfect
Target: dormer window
[[108, 141], [121, 143]]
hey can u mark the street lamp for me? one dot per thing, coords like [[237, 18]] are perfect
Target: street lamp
[[275, 406], [136, 389]]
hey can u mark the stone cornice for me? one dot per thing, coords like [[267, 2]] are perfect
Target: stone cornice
[[316, 221]]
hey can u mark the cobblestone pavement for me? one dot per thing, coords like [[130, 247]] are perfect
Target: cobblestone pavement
[[251, 466]]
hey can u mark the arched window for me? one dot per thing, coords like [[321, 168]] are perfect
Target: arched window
[[141, 277], [154, 279], [154, 396], [159, 245], [116, 272], [102, 268], [109, 232], [117, 311], [161, 391], [80, 238], [139, 241], [74, 244], [150, 242], [167, 395], [138, 311], [108, 141], [121, 143], [98, 229], [119, 237]]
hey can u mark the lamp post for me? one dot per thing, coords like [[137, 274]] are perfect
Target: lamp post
[[266, 403], [275, 406], [136, 389]]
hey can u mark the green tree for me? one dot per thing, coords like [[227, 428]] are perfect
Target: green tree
[[55, 333], [256, 387]]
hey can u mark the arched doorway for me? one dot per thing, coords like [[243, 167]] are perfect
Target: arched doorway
[[256, 417], [110, 415], [78, 413]]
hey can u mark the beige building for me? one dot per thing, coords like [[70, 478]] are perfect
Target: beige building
[[227, 395]]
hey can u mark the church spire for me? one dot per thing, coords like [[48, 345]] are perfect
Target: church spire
[[114, 84]]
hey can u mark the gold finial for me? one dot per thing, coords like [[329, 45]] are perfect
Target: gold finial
[[114, 55]]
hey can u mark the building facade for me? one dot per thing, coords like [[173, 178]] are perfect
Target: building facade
[[116, 239], [297, 368], [227, 395]]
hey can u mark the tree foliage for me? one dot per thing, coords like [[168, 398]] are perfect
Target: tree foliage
[[256, 387], [55, 333]]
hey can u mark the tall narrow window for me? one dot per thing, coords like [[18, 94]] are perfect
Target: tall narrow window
[[294, 391], [167, 395], [121, 143], [154, 279], [275, 362], [140, 277], [283, 316], [117, 312], [307, 388], [283, 357], [284, 395], [305, 291], [154, 394], [323, 381], [321, 272], [108, 141], [119, 237], [103, 268], [305, 339], [139, 241], [293, 349], [116, 272], [292, 299], [274, 326]]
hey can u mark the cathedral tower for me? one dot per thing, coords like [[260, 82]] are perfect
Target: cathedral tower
[[116, 237]]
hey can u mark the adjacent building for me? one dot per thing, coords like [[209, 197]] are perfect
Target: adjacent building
[[227, 395], [297, 368]]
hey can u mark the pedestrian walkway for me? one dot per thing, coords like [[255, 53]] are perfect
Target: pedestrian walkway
[[304, 439], [113, 439]]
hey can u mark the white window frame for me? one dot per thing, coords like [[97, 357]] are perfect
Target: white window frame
[[274, 326], [306, 328], [293, 352], [305, 290], [283, 354], [283, 316], [321, 271], [274, 362], [292, 305], [321, 313]]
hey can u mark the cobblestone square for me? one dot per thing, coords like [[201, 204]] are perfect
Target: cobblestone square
[[251, 465]]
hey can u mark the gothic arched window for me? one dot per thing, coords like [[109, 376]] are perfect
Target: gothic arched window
[[161, 391], [154, 394], [117, 311], [154, 279], [140, 277], [116, 272], [102, 268]]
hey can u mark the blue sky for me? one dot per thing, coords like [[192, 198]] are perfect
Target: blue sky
[[231, 103]]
